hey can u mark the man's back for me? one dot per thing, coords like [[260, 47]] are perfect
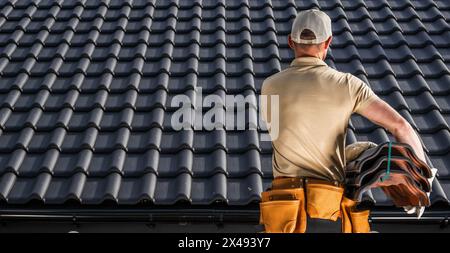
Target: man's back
[[316, 103], [307, 108]]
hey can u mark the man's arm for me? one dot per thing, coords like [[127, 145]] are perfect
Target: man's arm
[[381, 113]]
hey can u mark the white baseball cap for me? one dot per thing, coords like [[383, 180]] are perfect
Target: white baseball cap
[[318, 22]]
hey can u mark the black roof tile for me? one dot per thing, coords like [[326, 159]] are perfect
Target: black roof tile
[[422, 102], [430, 122], [438, 142]]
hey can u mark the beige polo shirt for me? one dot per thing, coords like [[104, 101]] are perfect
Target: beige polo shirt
[[315, 104]]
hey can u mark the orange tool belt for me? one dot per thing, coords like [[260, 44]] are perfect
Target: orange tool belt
[[284, 207]]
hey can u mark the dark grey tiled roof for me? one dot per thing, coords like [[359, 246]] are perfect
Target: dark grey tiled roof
[[86, 90]]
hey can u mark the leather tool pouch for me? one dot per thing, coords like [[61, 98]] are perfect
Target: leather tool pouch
[[323, 201], [354, 221], [283, 211], [360, 221]]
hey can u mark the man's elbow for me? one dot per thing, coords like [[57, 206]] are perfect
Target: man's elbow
[[402, 128]]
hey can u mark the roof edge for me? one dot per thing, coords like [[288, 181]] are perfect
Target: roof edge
[[189, 215]]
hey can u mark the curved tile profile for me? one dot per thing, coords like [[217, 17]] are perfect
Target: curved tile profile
[[430, 122], [170, 165], [68, 164], [33, 164], [144, 120], [139, 141], [87, 91], [142, 189], [102, 164], [205, 191], [243, 164], [169, 191], [209, 140], [440, 161], [437, 143], [414, 85], [379, 135], [421, 103], [98, 189], [243, 191], [63, 189], [438, 196], [7, 181], [207, 164], [361, 124], [26, 189]]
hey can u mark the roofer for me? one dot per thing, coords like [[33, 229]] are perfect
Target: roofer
[[315, 105]]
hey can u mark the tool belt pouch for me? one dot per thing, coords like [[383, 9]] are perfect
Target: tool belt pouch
[[283, 211], [360, 221], [354, 221], [323, 201]]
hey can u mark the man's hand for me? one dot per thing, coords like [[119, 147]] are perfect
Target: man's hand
[[381, 113]]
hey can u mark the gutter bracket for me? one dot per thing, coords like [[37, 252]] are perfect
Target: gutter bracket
[[75, 221], [2, 222], [220, 223], [150, 223], [444, 223]]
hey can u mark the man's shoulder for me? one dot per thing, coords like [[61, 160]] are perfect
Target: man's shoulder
[[272, 79], [344, 78], [337, 73], [332, 74], [277, 75]]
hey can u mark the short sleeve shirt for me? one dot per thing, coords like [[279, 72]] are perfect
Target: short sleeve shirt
[[361, 93], [315, 103]]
